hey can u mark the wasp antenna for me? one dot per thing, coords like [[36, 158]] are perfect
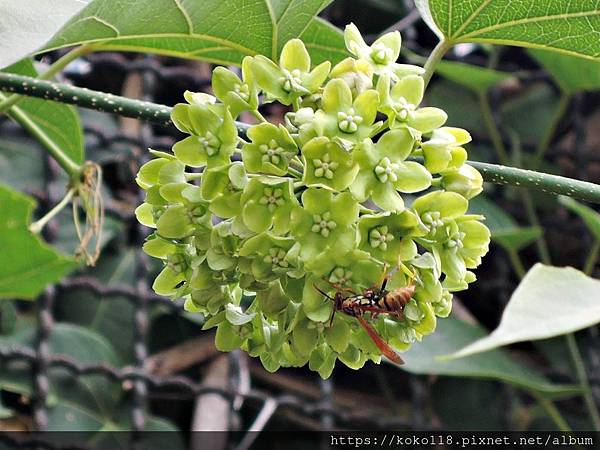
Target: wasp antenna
[[322, 292]]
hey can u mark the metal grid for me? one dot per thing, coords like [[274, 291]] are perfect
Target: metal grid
[[40, 360]]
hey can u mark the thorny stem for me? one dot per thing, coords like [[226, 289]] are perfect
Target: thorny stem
[[153, 112], [434, 58], [54, 69], [37, 226]]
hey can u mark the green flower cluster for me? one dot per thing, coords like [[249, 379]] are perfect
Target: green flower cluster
[[248, 227]]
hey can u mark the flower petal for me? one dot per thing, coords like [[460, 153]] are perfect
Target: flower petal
[[385, 196], [412, 177], [336, 96], [294, 56]]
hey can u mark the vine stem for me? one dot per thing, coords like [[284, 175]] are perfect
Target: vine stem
[[552, 412], [550, 131], [490, 123], [37, 226], [517, 263], [502, 155], [583, 380], [54, 69], [434, 58], [73, 169], [156, 113], [592, 257]]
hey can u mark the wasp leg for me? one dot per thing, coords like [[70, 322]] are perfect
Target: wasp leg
[[339, 287]]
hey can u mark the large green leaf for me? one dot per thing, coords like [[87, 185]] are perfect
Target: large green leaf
[[25, 28], [59, 122], [21, 163], [569, 26], [452, 334], [110, 317], [27, 264], [68, 340], [221, 31], [324, 42], [573, 74], [90, 403], [550, 301]]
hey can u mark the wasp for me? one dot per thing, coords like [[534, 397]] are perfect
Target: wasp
[[375, 300]]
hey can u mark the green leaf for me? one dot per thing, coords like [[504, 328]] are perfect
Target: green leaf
[[564, 26], [475, 78], [452, 334], [72, 341], [587, 214], [516, 238], [221, 31], [27, 264], [324, 42], [24, 30], [21, 163], [112, 318], [550, 301], [91, 403], [59, 122], [573, 74]]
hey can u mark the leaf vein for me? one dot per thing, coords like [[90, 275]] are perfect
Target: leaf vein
[[529, 20]]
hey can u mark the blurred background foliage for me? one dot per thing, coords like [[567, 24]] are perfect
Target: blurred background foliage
[[525, 108]]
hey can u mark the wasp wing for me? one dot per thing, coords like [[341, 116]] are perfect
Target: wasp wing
[[386, 350]]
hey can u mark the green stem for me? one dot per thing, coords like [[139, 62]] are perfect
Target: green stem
[[583, 380], [502, 155], [193, 176], [592, 258], [256, 113], [36, 227], [54, 69], [100, 101], [55, 151], [153, 112], [492, 128], [550, 131], [552, 412], [517, 264], [294, 172], [434, 58], [553, 184], [540, 242]]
